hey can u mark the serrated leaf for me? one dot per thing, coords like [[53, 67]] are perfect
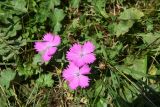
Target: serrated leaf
[[25, 70], [75, 23], [45, 80], [131, 14], [6, 76], [37, 59]]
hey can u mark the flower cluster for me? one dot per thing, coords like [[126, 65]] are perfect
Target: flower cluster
[[48, 46], [79, 56]]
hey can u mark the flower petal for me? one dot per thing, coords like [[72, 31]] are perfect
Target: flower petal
[[88, 47], [39, 46], [76, 48], [72, 56], [79, 62], [51, 50], [85, 69], [83, 81], [68, 74], [48, 37], [89, 58], [56, 40], [47, 55], [74, 83], [73, 67]]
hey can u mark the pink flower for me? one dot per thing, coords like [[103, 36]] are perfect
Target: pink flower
[[48, 46], [81, 54], [76, 76]]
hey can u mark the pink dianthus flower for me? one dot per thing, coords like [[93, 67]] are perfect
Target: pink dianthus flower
[[48, 46], [76, 75], [81, 54]]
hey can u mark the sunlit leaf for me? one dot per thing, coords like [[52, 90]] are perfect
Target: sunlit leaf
[[130, 14], [149, 38], [57, 17], [122, 27], [99, 6], [74, 3], [137, 68], [6, 76], [20, 5]]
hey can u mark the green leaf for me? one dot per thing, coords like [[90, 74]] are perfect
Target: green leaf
[[115, 50], [57, 17], [19, 5], [3, 49], [149, 24], [45, 80], [42, 15], [8, 56], [3, 101], [101, 103], [137, 67], [115, 80], [37, 59], [99, 6], [57, 27], [130, 14], [6, 76], [53, 3], [149, 38], [122, 27], [99, 88], [25, 69], [74, 3], [129, 93], [152, 71]]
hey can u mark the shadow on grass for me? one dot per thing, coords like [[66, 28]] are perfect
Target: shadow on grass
[[148, 98]]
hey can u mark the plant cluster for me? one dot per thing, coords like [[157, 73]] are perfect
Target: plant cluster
[[94, 53]]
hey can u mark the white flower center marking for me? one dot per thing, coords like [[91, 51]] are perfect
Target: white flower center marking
[[82, 53], [77, 73]]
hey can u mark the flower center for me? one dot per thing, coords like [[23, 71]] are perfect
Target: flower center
[[82, 53], [77, 74]]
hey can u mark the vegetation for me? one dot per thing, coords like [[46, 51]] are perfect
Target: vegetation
[[126, 34]]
